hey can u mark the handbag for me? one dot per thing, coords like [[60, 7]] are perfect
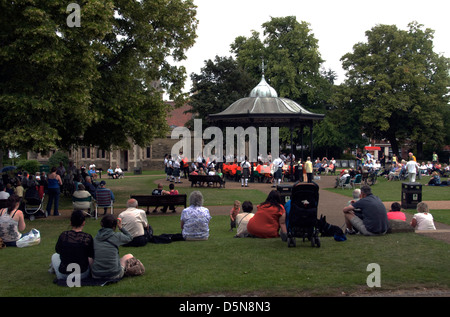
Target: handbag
[[29, 239], [134, 267]]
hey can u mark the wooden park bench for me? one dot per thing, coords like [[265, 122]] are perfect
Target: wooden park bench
[[160, 200], [202, 179]]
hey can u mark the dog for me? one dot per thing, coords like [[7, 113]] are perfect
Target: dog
[[328, 230]]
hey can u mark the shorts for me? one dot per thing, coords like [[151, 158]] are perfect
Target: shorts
[[358, 224]]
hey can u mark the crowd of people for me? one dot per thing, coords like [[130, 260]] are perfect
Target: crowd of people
[[99, 257], [265, 170]]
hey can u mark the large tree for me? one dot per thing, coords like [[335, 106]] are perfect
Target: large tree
[[398, 85], [293, 62], [93, 84], [220, 83]]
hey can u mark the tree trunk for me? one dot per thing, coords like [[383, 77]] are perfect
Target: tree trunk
[[419, 154]]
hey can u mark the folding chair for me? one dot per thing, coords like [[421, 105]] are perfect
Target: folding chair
[[357, 181], [345, 183], [103, 200]]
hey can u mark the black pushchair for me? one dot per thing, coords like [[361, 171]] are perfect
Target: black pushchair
[[302, 218], [33, 202]]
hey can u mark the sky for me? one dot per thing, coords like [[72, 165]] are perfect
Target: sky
[[336, 24]]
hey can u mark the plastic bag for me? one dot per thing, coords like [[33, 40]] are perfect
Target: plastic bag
[[30, 239]]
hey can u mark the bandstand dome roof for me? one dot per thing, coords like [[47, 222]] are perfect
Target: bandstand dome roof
[[263, 106]]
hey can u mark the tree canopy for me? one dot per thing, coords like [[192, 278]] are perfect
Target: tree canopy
[[398, 86], [98, 84], [292, 58]]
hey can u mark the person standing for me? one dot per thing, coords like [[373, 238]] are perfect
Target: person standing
[[412, 167], [54, 190], [309, 169], [245, 166]]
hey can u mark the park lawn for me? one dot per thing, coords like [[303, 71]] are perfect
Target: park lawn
[[237, 266], [225, 265]]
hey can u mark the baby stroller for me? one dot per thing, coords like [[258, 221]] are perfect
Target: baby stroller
[[34, 200], [302, 218]]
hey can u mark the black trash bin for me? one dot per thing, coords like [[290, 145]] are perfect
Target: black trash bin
[[285, 192], [411, 195]]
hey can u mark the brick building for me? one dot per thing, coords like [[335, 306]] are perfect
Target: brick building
[[147, 158]]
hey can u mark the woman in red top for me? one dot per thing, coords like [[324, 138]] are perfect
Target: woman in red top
[[269, 218]]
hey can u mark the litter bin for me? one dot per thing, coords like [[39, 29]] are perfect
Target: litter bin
[[137, 170], [285, 191], [411, 195]]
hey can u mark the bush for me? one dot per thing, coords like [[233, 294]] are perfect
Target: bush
[[31, 166]]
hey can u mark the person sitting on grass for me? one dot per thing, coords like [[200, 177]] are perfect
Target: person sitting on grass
[[107, 262], [243, 218], [395, 212], [368, 215], [73, 246], [135, 222], [269, 218], [195, 219], [11, 222], [423, 220]]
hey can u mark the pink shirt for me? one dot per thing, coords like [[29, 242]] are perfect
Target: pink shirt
[[396, 215]]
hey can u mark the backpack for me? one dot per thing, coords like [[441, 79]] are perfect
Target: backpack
[[134, 267]]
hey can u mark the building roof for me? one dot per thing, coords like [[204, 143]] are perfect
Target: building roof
[[177, 117], [263, 106]]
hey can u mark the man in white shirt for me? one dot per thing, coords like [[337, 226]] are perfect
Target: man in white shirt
[[411, 168], [245, 166], [278, 171], [135, 222]]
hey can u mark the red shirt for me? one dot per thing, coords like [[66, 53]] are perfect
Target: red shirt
[[265, 223]]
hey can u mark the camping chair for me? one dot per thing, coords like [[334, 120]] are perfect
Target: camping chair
[[357, 181], [103, 200], [345, 183]]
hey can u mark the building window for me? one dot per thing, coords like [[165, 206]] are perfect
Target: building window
[[101, 153]]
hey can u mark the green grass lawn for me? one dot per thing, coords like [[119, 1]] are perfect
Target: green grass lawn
[[239, 266], [236, 266]]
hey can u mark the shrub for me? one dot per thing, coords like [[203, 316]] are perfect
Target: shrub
[[31, 166]]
